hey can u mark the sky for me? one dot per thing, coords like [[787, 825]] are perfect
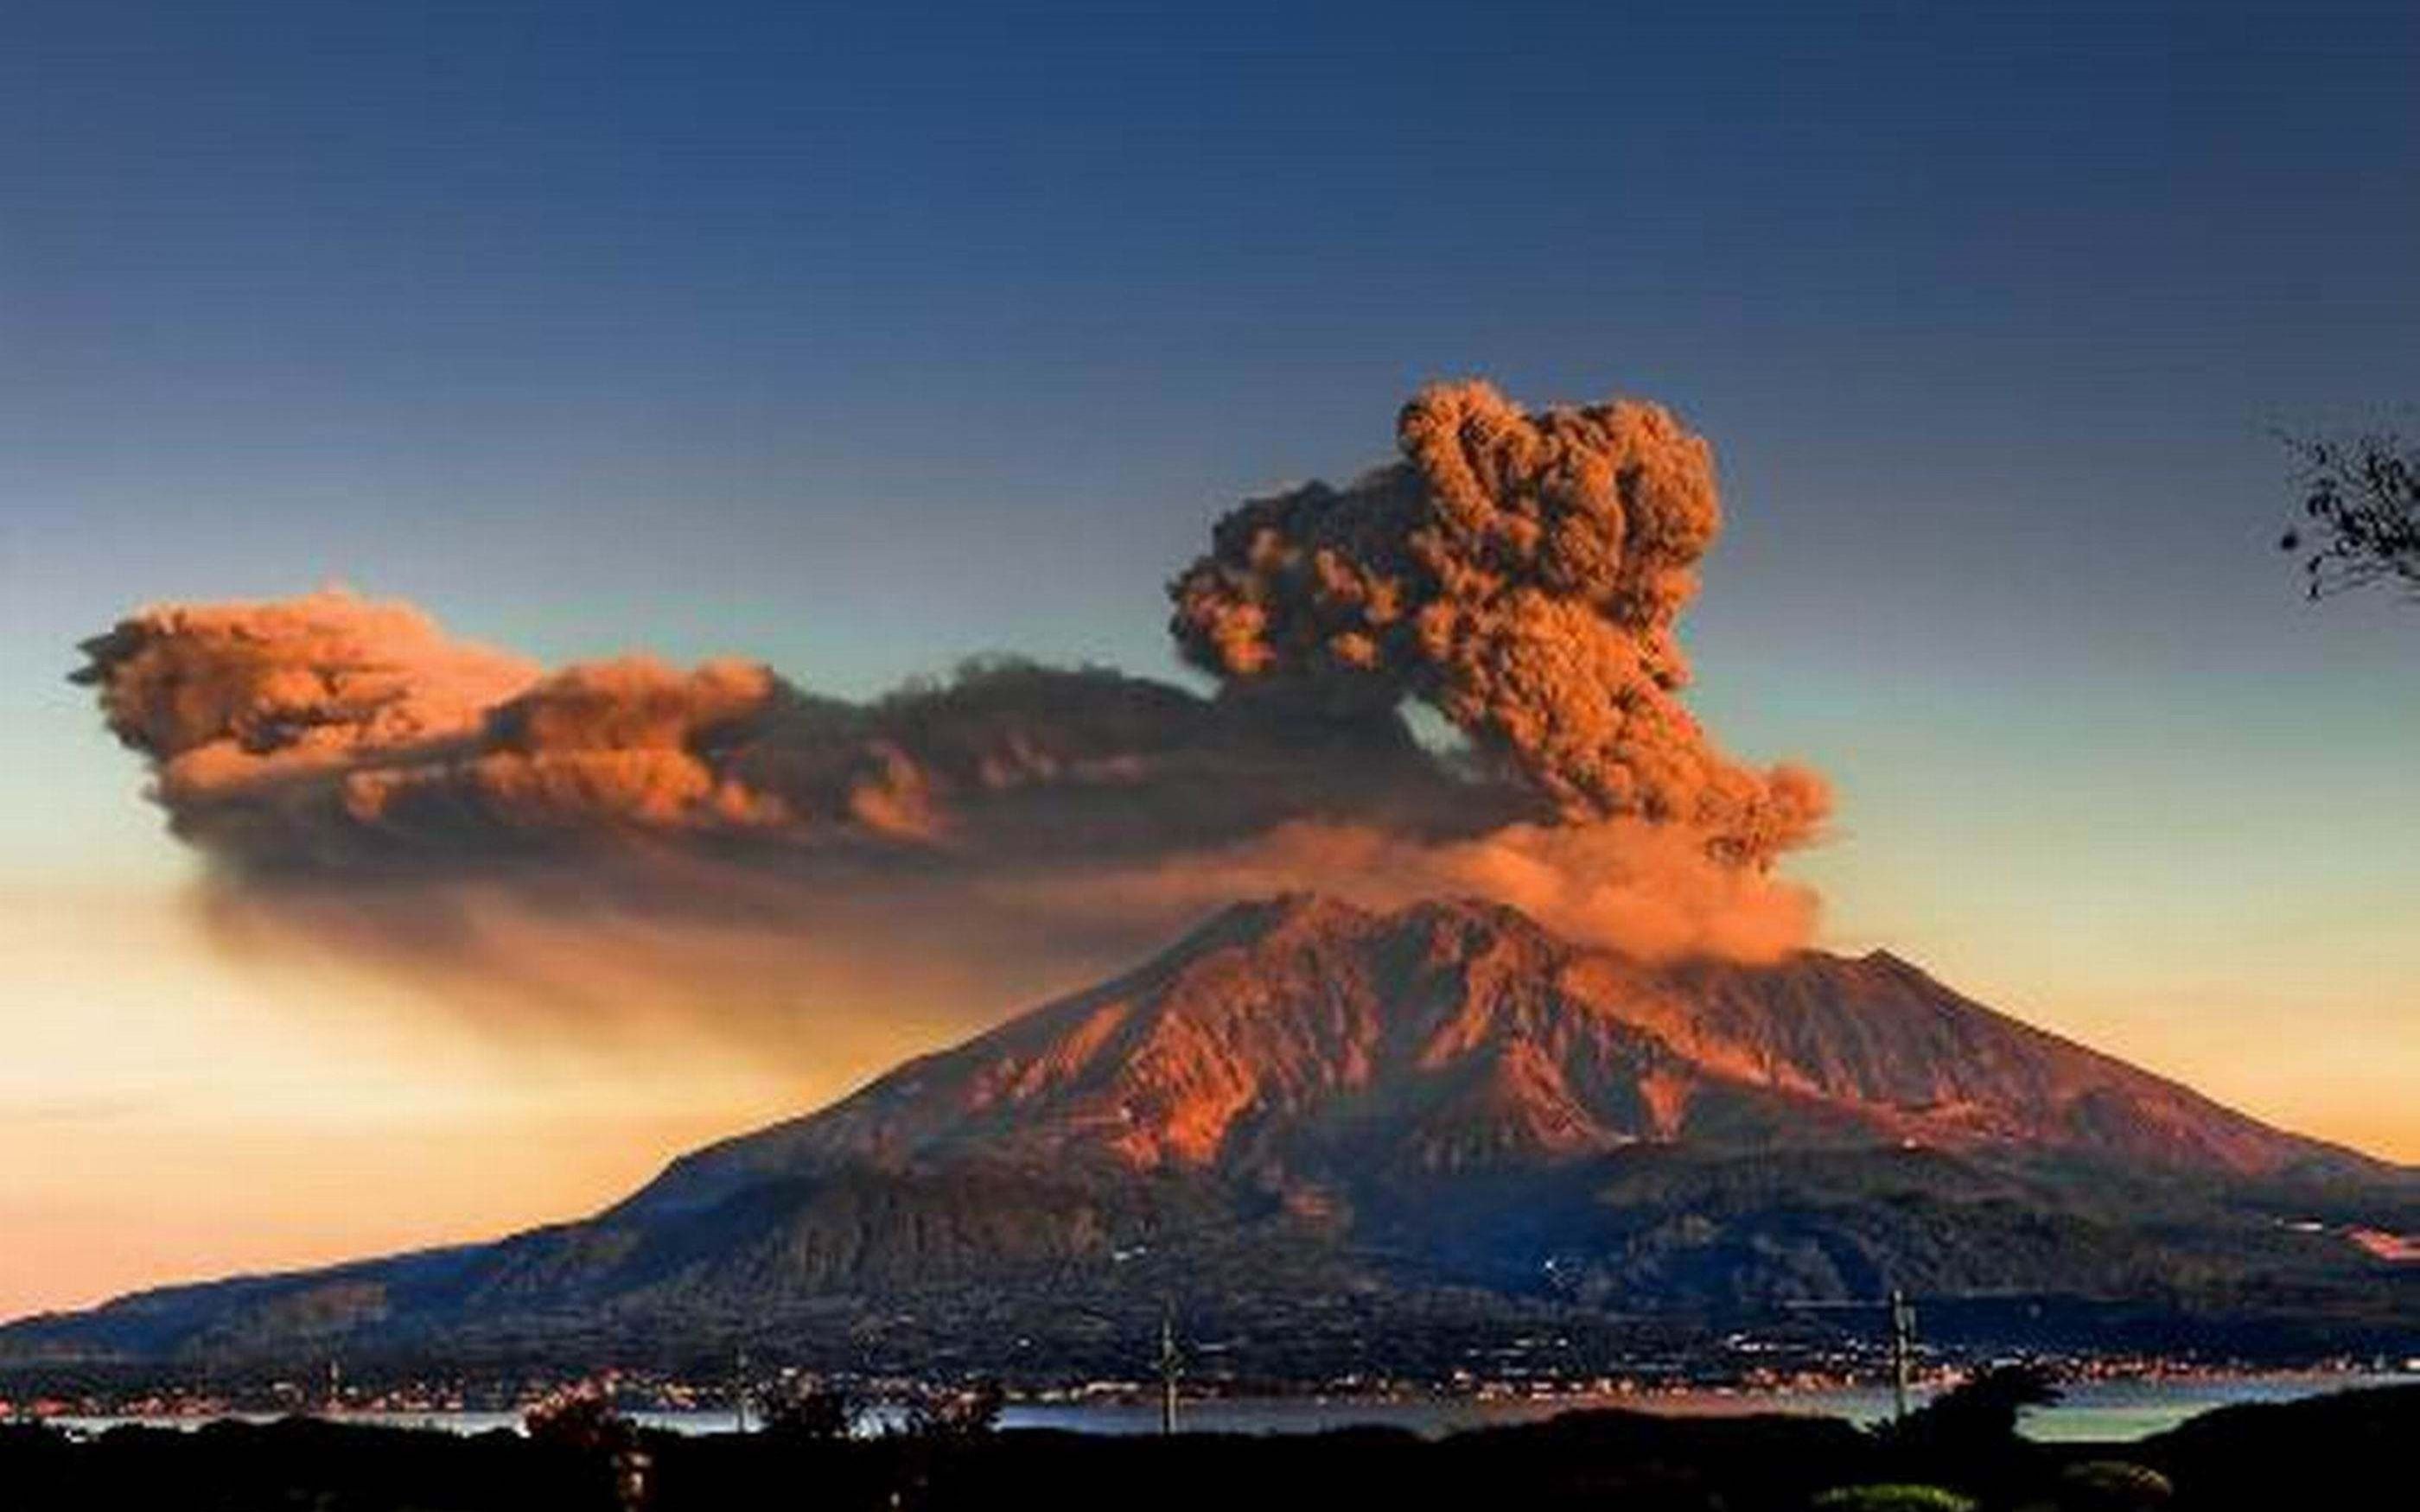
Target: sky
[[860, 339]]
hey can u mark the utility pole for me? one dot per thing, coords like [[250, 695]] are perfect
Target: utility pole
[[1902, 1323], [1168, 1368], [740, 1393]]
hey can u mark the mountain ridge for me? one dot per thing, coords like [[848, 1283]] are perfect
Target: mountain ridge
[[1769, 1035]]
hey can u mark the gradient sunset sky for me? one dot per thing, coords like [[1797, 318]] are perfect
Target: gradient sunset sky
[[861, 338]]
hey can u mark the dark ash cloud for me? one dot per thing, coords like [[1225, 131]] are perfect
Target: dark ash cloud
[[628, 834]]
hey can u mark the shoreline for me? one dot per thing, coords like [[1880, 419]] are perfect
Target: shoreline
[[2142, 1404]]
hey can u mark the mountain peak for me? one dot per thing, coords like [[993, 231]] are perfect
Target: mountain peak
[[1455, 926], [1257, 918], [1315, 911]]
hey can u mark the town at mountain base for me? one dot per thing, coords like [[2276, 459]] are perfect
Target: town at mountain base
[[1346, 1142]]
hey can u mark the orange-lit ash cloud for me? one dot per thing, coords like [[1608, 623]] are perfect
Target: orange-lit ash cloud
[[1522, 572], [628, 837], [246, 709]]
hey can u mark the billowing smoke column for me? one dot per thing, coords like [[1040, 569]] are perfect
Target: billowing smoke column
[[720, 842], [1522, 573]]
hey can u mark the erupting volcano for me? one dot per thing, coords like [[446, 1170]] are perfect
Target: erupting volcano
[[1303, 1099]]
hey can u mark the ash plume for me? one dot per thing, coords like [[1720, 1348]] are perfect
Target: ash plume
[[333, 735], [1523, 574], [628, 837]]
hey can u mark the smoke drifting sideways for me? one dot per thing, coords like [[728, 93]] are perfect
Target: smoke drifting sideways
[[625, 842]]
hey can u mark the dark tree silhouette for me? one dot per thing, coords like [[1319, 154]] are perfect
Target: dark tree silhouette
[[1967, 1436], [581, 1419], [2361, 507], [601, 1444], [797, 1409], [950, 1417], [1984, 1409]]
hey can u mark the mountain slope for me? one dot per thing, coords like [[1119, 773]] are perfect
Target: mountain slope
[[1303, 1106], [1304, 1032]]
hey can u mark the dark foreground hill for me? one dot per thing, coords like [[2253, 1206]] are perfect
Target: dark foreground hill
[[2348, 1450], [1343, 1141]]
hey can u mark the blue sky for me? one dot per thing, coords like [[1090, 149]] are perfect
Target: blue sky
[[860, 338]]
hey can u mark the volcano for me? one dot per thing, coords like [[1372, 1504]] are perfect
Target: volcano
[[1314, 1121]]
